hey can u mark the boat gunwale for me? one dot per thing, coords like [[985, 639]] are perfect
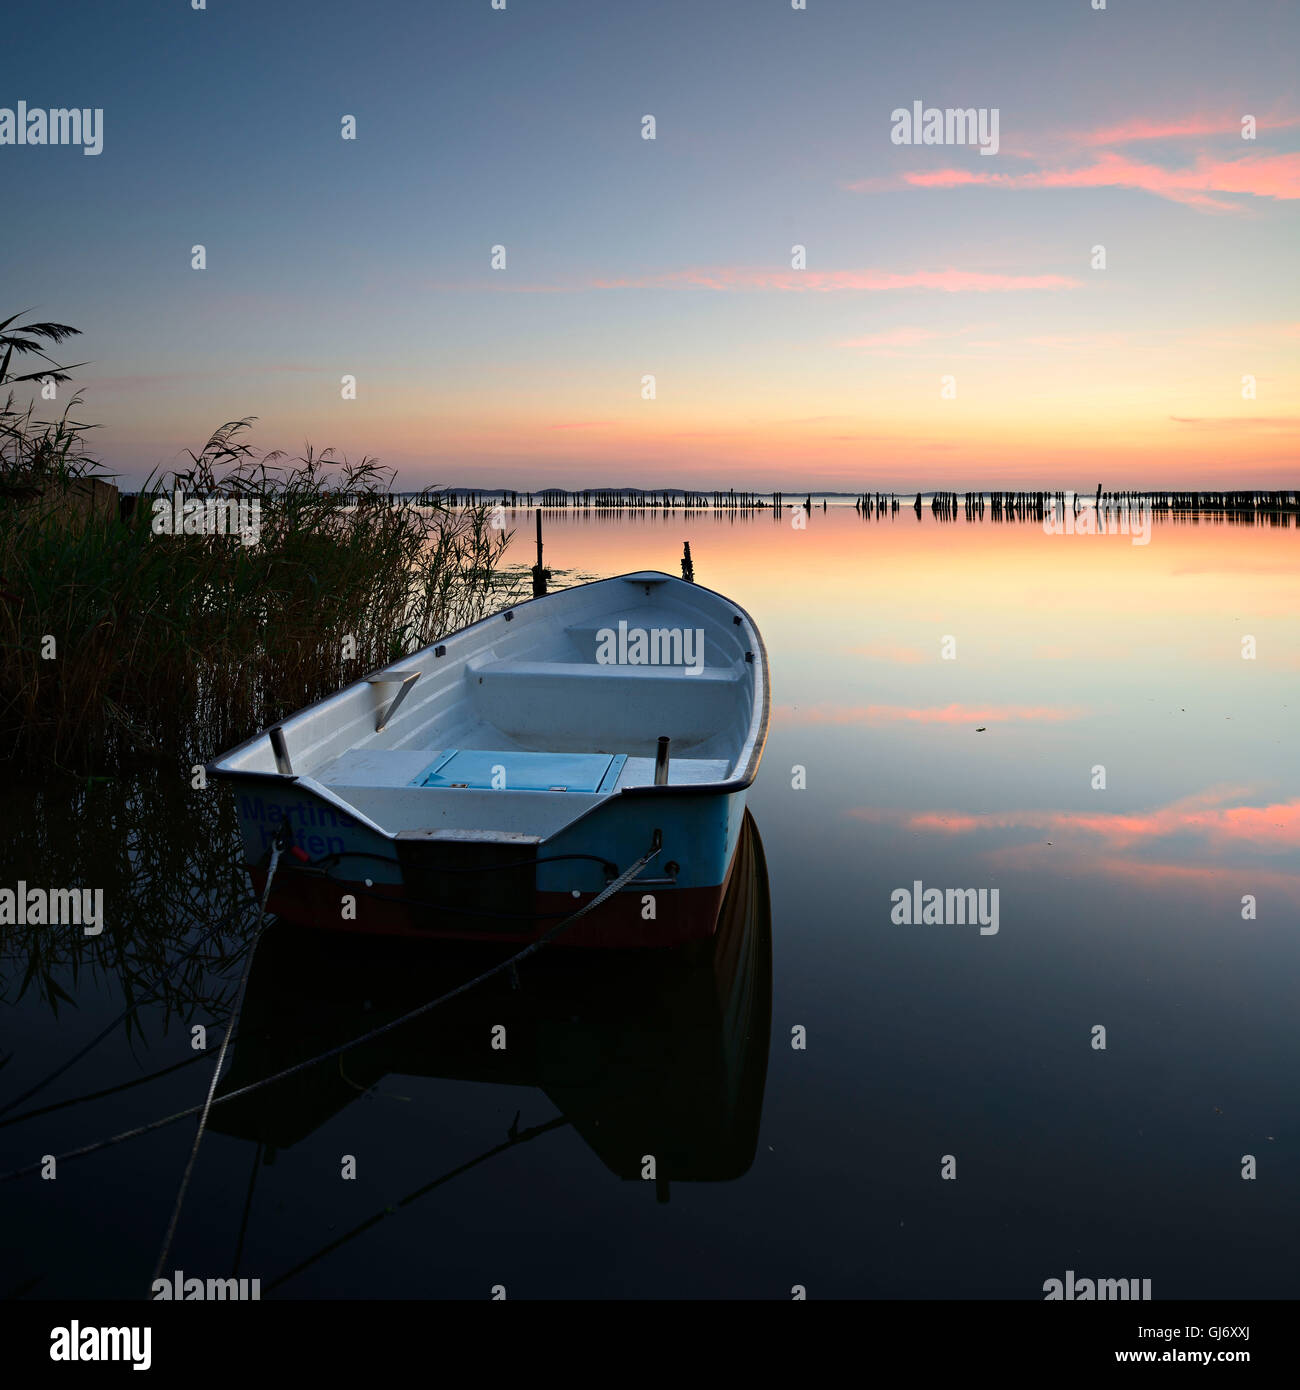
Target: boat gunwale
[[755, 738]]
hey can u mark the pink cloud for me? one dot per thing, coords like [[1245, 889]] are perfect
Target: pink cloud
[[1179, 128], [1259, 175], [1230, 880], [828, 281], [742, 279], [909, 714], [1270, 827]]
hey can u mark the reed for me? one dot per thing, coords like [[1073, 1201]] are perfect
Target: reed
[[165, 856], [116, 641]]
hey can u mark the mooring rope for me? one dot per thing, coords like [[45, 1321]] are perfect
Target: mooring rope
[[282, 842], [534, 946], [106, 1091], [514, 1137]]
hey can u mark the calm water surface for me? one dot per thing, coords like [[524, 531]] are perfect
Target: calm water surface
[[948, 698]]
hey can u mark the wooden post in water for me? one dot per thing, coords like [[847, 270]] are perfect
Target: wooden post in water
[[540, 575], [688, 568]]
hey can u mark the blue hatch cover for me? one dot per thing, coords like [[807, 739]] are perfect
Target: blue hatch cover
[[535, 772]]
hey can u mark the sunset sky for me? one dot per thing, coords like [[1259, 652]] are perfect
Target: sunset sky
[[625, 257]]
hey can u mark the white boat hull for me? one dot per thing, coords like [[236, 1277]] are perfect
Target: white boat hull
[[514, 778]]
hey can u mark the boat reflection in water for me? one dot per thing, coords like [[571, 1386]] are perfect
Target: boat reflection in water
[[660, 1052]]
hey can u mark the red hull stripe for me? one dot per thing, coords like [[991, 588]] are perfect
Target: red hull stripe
[[681, 914]]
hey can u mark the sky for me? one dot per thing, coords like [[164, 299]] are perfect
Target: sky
[[949, 328]]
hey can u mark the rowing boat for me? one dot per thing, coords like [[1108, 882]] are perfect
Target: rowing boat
[[497, 782]]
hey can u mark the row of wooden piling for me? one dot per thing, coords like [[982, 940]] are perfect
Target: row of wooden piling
[[1036, 505], [1253, 501], [875, 503], [1001, 504], [619, 499]]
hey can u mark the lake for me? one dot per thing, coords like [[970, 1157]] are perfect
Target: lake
[[1097, 736]]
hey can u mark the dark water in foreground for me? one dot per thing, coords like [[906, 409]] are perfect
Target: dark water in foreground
[[950, 693]]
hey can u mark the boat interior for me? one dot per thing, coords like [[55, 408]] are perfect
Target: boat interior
[[537, 701]]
